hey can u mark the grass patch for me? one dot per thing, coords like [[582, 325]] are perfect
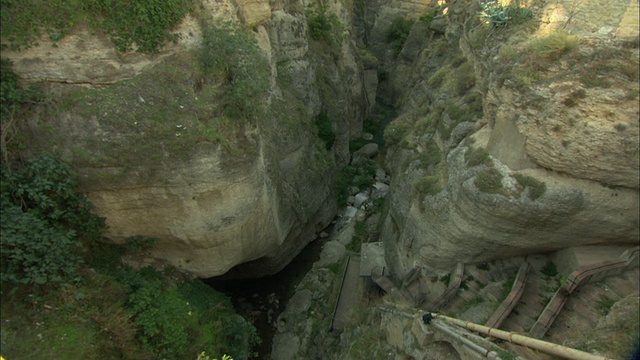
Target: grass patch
[[477, 156], [536, 187], [432, 155], [465, 78], [603, 65], [554, 45], [506, 286], [428, 185], [162, 106], [396, 131], [143, 26], [210, 96], [605, 304], [489, 181]]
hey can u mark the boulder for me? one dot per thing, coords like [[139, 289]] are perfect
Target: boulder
[[253, 12]]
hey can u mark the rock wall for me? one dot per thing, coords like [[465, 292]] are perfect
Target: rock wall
[[157, 159], [585, 152]]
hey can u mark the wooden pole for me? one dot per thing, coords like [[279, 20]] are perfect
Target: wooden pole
[[547, 347]]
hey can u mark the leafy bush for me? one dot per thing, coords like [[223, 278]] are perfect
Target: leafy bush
[[146, 24], [325, 129], [397, 33], [43, 220], [536, 187], [497, 15], [489, 181], [230, 53]]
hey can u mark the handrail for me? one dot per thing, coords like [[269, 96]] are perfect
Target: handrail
[[510, 302], [547, 347], [454, 284], [578, 277], [335, 308]]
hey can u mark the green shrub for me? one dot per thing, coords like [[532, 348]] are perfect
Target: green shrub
[[146, 24], [489, 181], [137, 244], [397, 33], [357, 144], [428, 185], [465, 78], [432, 155], [43, 221], [549, 269], [536, 187], [325, 129], [323, 26], [438, 77], [395, 132], [231, 54], [428, 16]]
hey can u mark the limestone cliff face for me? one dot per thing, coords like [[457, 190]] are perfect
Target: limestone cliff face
[[577, 137], [157, 159]]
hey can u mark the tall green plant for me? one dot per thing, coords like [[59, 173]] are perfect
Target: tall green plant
[[496, 15]]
